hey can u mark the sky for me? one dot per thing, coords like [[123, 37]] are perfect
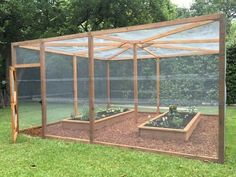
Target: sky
[[183, 3]]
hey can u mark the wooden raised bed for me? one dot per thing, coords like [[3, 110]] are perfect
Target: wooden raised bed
[[169, 133], [99, 124]]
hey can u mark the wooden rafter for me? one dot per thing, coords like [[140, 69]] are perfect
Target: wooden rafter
[[150, 52], [198, 49], [82, 44], [118, 53], [116, 39], [184, 41]]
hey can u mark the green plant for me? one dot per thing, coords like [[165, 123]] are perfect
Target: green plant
[[192, 109], [176, 122], [85, 114], [173, 109]]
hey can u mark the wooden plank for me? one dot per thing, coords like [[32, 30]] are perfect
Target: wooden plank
[[91, 89], [82, 44], [13, 55], [30, 65], [135, 70], [168, 56], [221, 125], [108, 85], [158, 84], [152, 53], [75, 85], [118, 53], [171, 153], [115, 39], [197, 49], [43, 88], [59, 52], [11, 79], [177, 30], [185, 41]]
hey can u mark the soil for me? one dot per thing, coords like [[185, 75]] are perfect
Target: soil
[[178, 121], [203, 141]]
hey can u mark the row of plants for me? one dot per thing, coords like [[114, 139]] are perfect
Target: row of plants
[[100, 114], [174, 118]]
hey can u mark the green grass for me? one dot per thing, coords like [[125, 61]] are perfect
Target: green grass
[[42, 157]]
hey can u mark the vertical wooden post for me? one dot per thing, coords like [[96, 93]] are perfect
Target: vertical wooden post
[[158, 84], [43, 88], [13, 60], [108, 86], [135, 77], [91, 87], [221, 139], [75, 84]]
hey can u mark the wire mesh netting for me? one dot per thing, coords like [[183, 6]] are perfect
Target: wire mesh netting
[[181, 79]]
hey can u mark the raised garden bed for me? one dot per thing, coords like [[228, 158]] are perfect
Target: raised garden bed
[[102, 120], [169, 127]]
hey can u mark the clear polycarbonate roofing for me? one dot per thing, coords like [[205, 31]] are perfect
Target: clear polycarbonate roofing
[[177, 40]]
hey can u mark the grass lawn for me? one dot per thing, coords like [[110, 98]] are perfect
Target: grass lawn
[[42, 157]]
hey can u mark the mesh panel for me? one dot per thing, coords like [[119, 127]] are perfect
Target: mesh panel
[[190, 81], [26, 56], [121, 80], [59, 87], [147, 93], [29, 96]]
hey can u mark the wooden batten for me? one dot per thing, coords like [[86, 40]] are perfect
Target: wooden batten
[[158, 74], [31, 65], [196, 49], [91, 89], [108, 84], [75, 85], [43, 89], [184, 41], [135, 77], [222, 63]]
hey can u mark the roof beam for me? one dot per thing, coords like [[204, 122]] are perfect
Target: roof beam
[[198, 49]]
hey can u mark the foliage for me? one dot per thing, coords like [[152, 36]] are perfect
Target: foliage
[[172, 109], [173, 119], [102, 113], [231, 37], [231, 75], [31, 19]]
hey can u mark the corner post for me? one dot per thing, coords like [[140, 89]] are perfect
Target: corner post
[[91, 88], [43, 88], [158, 84], [135, 75], [222, 63], [75, 85]]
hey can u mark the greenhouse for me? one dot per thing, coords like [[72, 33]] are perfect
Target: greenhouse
[[156, 87]]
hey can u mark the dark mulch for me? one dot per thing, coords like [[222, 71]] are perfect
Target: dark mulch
[[203, 141]]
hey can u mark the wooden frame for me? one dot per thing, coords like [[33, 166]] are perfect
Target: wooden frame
[[108, 84], [135, 70], [43, 89], [75, 85], [158, 73], [91, 89], [114, 42], [169, 133], [98, 124]]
